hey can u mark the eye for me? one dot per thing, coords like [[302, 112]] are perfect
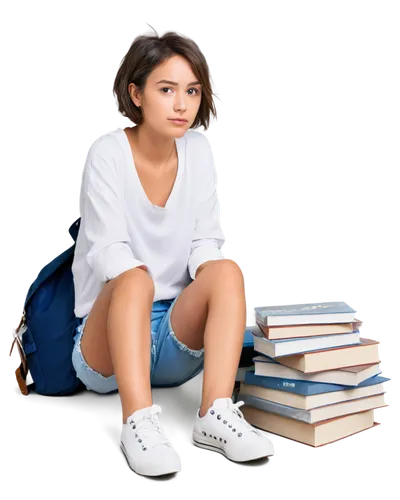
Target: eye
[[169, 88]]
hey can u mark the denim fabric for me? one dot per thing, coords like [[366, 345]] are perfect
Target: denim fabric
[[172, 362]]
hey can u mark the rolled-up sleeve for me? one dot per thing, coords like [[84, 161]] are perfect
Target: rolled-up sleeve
[[105, 227], [208, 237]]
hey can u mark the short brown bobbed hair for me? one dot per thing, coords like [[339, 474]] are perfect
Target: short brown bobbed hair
[[144, 55]]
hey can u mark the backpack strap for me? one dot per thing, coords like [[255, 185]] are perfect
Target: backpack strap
[[21, 371]]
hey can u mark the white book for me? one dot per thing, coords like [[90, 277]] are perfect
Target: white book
[[351, 375], [315, 414], [304, 313], [286, 347], [311, 401], [317, 434]]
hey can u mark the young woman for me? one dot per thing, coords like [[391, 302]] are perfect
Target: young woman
[[156, 300]]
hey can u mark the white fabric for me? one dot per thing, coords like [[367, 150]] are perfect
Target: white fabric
[[121, 229]]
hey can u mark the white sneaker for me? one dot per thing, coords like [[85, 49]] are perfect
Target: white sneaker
[[145, 445], [224, 429]]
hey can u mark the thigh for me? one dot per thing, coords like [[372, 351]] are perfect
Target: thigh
[[190, 313], [94, 340], [92, 379], [94, 343]]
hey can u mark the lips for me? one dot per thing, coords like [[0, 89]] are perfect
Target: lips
[[177, 120]]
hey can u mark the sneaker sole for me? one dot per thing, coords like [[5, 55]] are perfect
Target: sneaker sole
[[164, 478], [256, 463], [142, 473], [210, 447]]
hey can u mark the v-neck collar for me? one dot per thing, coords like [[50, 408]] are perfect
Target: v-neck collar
[[179, 142]]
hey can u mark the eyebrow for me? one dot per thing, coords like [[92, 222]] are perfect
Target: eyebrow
[[176, 84]]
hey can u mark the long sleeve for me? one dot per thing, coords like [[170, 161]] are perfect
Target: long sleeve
[[208, 236], [104, 219]]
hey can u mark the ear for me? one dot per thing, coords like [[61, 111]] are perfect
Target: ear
[[134, 94]]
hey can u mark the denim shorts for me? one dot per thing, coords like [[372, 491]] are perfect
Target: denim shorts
[[172, 362]]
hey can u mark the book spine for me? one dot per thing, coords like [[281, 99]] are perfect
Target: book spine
[[345, 379], [270, 406], [279, 384]]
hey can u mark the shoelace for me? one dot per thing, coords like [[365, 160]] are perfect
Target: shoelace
[[234, 407], [148, 430]]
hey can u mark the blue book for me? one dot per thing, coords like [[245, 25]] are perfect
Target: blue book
[[287, 347], [248, 339], [300, 314], [350, 375], [304, 387]]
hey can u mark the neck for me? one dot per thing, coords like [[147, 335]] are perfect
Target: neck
[[152, 148]]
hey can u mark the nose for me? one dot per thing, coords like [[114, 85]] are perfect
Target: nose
[[180, 104]]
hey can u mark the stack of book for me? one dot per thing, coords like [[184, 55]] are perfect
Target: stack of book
[[313, 378]]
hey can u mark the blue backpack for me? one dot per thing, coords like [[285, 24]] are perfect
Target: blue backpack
[[45, 334]]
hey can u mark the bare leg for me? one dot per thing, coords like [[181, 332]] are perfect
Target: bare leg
[[217, 296], [117, 337]]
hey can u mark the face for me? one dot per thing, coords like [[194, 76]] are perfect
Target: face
[[180, 97]]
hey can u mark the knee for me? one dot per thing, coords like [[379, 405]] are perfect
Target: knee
[[134, 280], [227, 268]]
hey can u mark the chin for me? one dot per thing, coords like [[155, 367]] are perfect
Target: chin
[[182, 133], [179, 133]]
